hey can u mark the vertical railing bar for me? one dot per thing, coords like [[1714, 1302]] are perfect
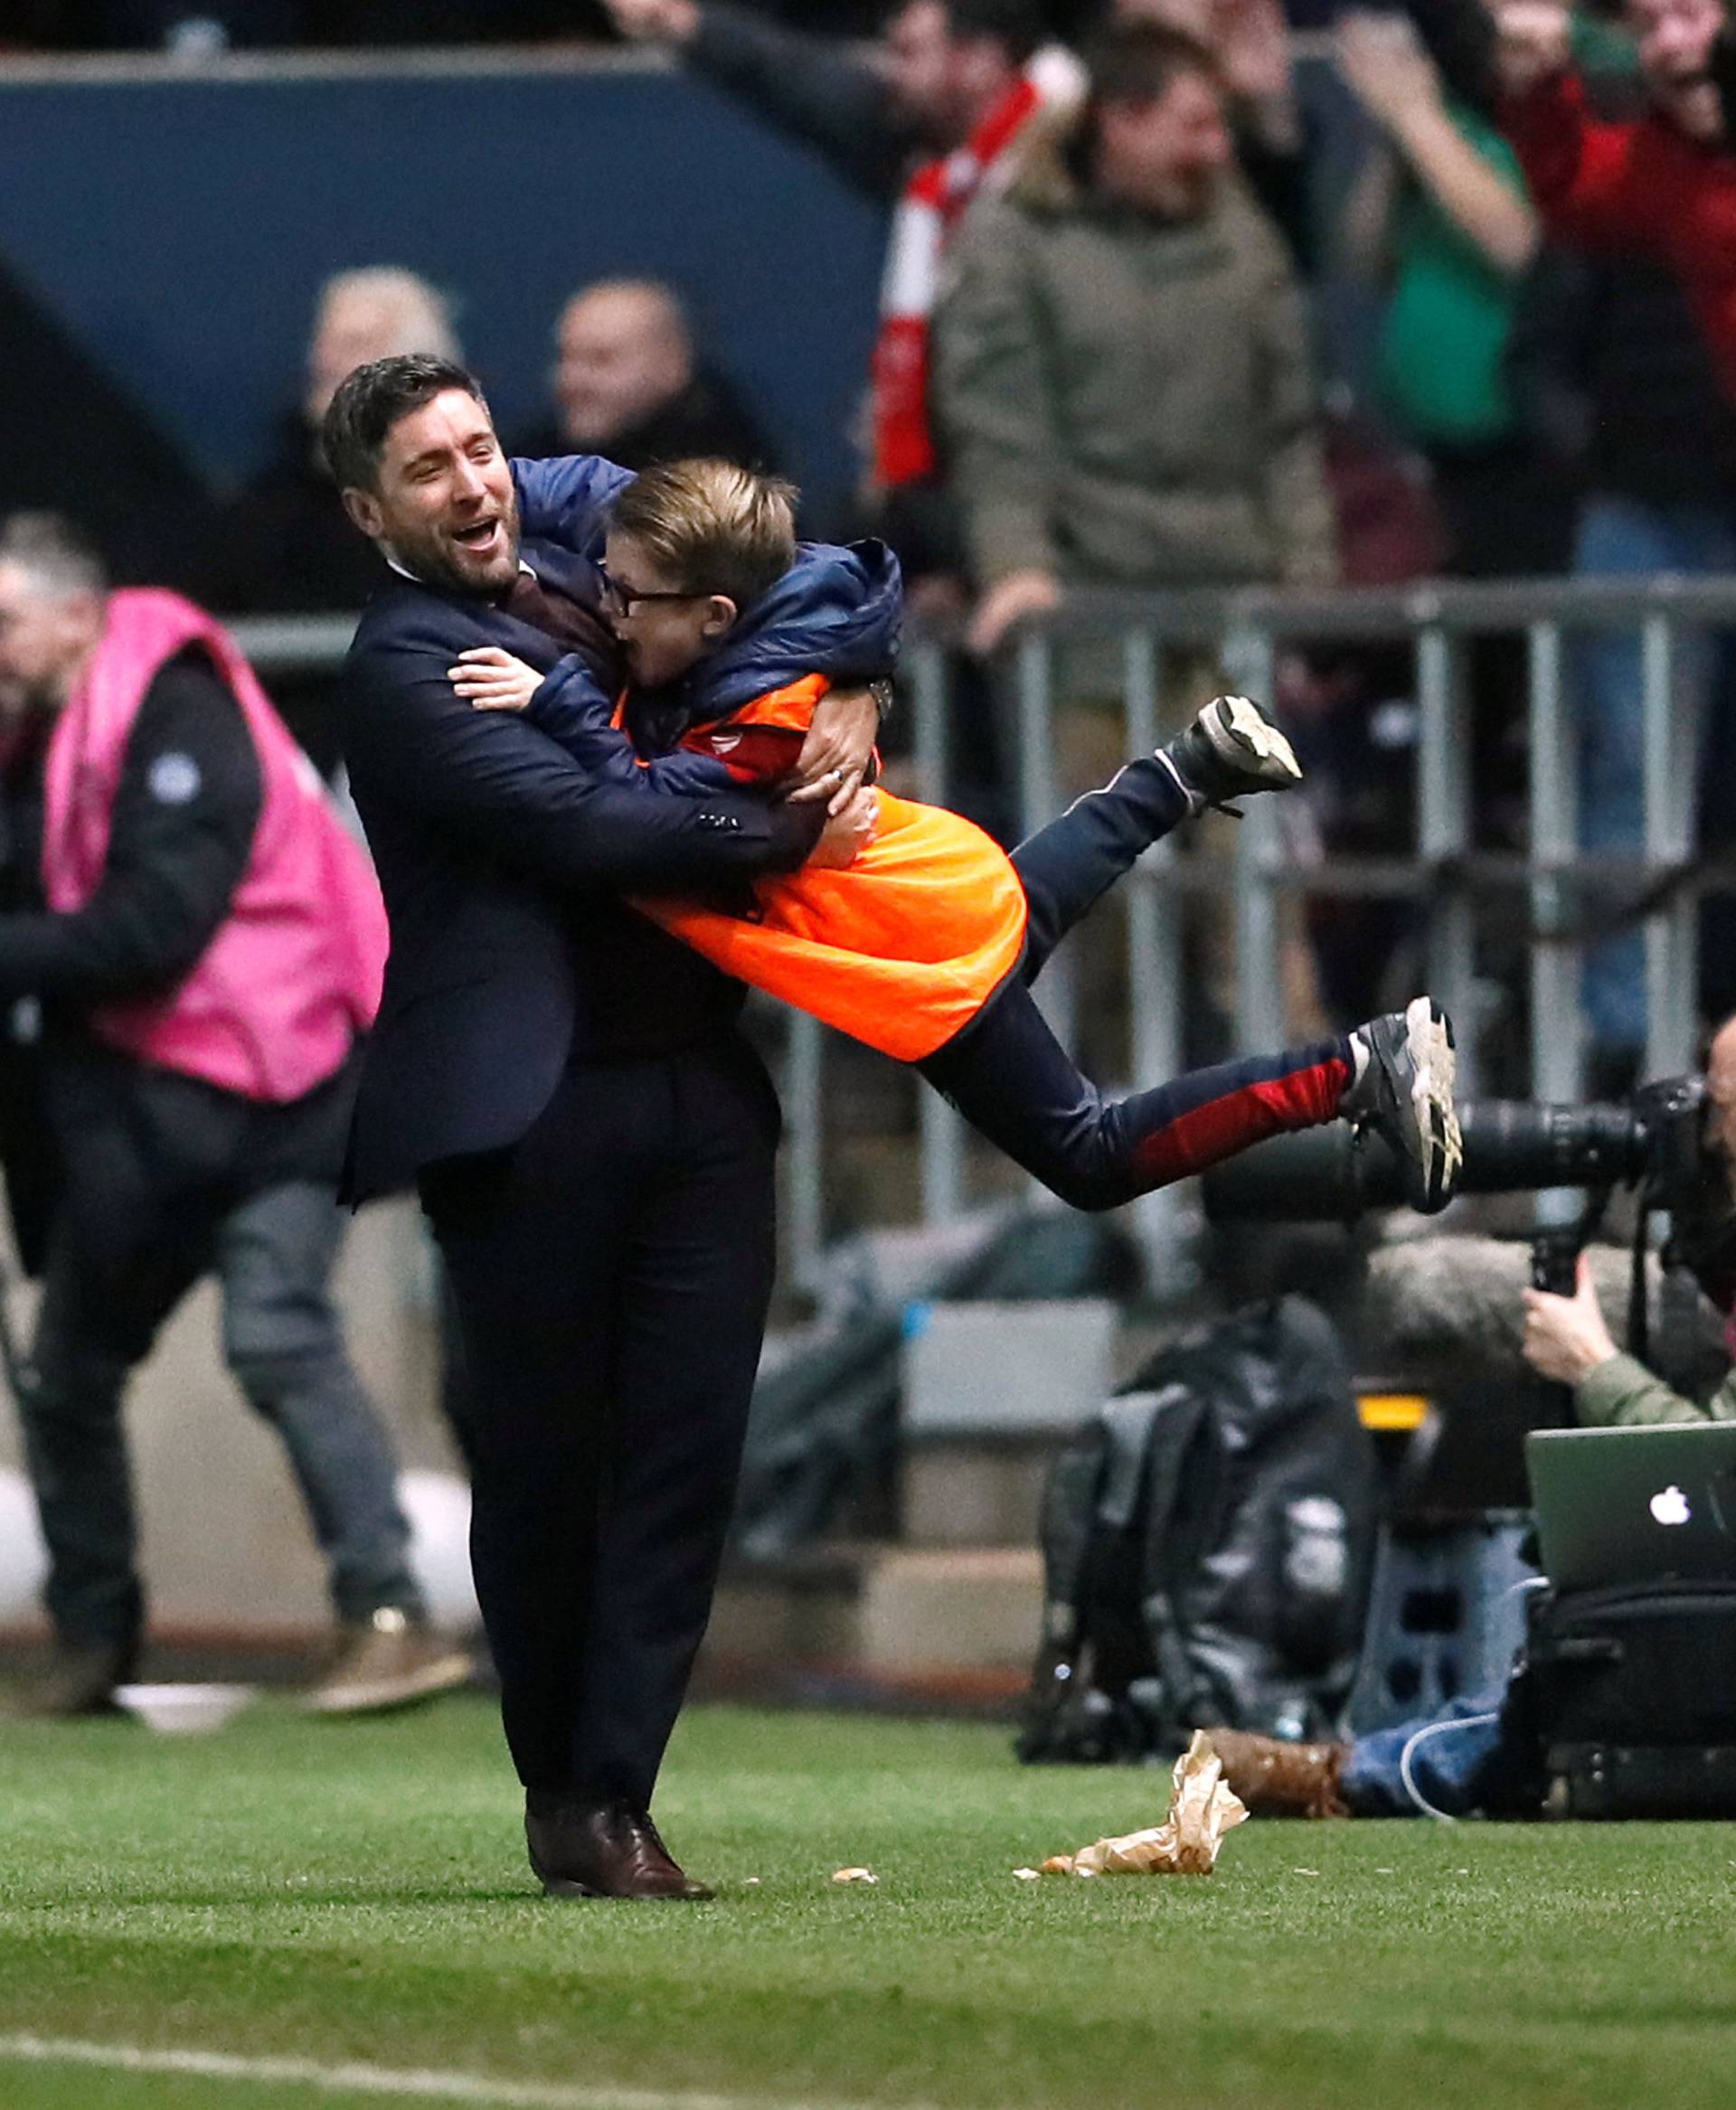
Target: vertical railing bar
[[1036, 732], [1555, 1037], [939, 1127], [931, 741], [1247, 664], [1154, 958], [1552, 836], [1443, 833], [1671, 997], [805, 1144], [1039, 803]]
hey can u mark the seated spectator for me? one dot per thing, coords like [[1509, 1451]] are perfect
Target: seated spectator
[[1124, 371], [285, 546], [628, 384]]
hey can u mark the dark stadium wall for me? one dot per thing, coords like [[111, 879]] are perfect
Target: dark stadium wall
[[179, 228]]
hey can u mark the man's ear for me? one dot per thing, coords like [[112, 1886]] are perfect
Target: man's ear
[[364, 509], [721, 613]]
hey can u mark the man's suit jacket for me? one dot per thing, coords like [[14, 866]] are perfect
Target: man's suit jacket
[[501, 861]]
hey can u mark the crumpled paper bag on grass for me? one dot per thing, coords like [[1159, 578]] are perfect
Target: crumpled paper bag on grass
[[1202, 1809]]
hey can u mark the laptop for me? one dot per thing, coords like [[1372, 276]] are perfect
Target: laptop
[[1634, 1505]]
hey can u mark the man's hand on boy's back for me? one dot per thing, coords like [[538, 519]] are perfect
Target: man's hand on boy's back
[[836, 754]]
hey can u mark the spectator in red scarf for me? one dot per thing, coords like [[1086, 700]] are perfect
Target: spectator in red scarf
[[957, 80]]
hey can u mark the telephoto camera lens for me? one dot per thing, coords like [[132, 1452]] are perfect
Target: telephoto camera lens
[[1329, 1174]]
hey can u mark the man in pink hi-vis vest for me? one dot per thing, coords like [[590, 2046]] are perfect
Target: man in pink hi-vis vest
[[190, 945]]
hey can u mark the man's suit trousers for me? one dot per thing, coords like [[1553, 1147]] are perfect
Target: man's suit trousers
[[612, 1274]]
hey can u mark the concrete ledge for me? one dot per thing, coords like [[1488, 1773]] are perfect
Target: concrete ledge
[[906, 1613], [980, 1490]]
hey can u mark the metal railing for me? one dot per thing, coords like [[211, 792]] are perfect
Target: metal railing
[[1244, 631]]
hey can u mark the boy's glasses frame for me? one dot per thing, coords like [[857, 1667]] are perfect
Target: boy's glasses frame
[[623, 600]]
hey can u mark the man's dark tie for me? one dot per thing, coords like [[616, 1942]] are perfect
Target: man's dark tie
[[569, 622]]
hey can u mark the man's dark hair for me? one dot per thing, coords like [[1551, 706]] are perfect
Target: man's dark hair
[[1019, 24], [1138, 61], [372, 400]]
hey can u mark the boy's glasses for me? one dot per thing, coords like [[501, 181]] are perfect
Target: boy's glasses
[[621, 600]]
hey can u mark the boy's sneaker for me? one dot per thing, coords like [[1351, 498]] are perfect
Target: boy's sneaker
[[1404, 1092], [1231, 749]]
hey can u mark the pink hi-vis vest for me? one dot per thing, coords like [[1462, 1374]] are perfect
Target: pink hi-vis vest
[[272, 1005]]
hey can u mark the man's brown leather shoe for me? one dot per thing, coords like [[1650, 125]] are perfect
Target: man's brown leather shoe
[[601, 1849]]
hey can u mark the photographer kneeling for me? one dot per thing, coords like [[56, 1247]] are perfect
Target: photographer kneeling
[[1480, 1753], [1566, 1338]]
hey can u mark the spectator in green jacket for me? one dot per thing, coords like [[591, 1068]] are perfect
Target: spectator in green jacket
[[1442, 214], [1125, 386]]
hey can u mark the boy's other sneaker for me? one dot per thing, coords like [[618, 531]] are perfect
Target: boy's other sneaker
[[1231, 750], [1403, 1091], [390, 1663]]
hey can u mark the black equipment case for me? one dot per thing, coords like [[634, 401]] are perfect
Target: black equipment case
[[1632, 1694]]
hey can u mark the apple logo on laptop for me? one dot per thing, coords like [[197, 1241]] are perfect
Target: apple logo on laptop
[[1671, 1507]]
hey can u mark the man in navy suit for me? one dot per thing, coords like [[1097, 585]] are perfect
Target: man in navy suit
[[592, 1140]]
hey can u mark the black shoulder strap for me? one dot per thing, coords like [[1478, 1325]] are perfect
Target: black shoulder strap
[[1183, 1416], [1092, 1489]]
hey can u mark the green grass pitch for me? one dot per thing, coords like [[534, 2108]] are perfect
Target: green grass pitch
[[335, 1893]]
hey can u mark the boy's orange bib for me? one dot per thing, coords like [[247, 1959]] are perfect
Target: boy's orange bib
[[900, 949]]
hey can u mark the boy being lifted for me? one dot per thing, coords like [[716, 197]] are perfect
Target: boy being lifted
[[926, 946]]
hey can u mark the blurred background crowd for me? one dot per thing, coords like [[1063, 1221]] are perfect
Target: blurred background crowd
[[1237, 297]]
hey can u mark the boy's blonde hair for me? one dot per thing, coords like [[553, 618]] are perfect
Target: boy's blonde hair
[[712, 527]]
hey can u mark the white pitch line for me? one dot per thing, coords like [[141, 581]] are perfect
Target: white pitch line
[[381, 2080]]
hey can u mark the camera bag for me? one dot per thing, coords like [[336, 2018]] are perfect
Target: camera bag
[[1632, 1693], [1207, 1543]]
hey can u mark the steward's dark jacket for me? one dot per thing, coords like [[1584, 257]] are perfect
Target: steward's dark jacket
[[501, 861]]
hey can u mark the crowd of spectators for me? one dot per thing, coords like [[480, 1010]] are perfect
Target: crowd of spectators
[[1114, 229]]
